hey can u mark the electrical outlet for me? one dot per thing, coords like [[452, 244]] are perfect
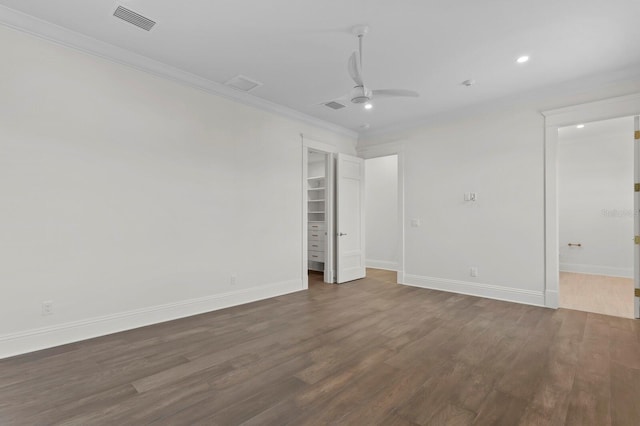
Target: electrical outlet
[[473, 271], [47, 308], [233, 279]]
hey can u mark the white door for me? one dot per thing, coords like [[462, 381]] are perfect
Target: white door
[[350, 258], [636, 221]]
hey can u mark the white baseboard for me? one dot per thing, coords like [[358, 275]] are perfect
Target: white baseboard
[[381, 264], [47, 337], [529, 297], [597, 270]]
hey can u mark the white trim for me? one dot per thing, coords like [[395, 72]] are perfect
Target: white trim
[[528, 297], [305, 220], [330, 198], [46, 337], [622, 106], [380, 150], [381, 264], [317, 145], [608, 271], [68, 38], [636, 219], [551, 235], [551, 299]]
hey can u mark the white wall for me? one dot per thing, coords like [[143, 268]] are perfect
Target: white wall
[[381, 212], [497, 151], [128, 199], [595, 198]]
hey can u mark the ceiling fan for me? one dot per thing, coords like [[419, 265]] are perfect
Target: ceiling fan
[[361, 94]]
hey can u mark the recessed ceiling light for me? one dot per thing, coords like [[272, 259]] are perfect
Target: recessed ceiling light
[[522, 59], [368, 106], [580, 126]]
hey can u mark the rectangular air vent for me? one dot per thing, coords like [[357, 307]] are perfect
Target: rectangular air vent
[[134, 18], [334, 105], [245, 84]]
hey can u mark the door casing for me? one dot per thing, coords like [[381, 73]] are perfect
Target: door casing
[[623, 106]]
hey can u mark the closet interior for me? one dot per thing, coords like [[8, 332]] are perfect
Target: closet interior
[[317, 205]]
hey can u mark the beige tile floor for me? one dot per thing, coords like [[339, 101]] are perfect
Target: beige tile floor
[[597, 293]]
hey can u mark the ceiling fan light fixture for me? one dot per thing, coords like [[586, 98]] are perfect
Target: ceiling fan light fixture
[[361, 94]]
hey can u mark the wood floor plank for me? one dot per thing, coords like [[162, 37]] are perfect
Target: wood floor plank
[[366, 352], [625, 389], [501, 409], [590, 396]]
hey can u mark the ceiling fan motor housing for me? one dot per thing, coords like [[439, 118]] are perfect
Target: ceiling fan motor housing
[[360, 95]]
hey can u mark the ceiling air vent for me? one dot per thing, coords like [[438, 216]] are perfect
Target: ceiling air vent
[[134, 18], [334, 105], [245, 84]]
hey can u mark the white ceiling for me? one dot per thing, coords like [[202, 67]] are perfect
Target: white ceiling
[[298, 49]]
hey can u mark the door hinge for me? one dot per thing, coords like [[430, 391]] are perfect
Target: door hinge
[[637, 290], [636, 135], [636, 239], [636, 187]]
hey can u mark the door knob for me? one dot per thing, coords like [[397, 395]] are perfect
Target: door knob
[[341, 234]]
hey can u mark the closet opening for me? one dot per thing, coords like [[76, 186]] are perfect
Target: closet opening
[[319, 193]]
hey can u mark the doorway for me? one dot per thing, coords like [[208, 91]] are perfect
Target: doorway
[[333, 234], [595, 163], [318, 199], [385, 261], [382, 213], [623, 106]]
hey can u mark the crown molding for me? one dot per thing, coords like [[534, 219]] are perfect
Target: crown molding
[[59, 35], [537, 99], [621, 106]]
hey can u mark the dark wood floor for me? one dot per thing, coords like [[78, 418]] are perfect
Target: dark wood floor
[[363, 353]]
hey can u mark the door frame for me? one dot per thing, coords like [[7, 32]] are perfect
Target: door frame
[[623, 106], [385, 150], [330, 150]]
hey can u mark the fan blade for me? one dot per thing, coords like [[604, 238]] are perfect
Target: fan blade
[[355, 71], [395, 93]]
